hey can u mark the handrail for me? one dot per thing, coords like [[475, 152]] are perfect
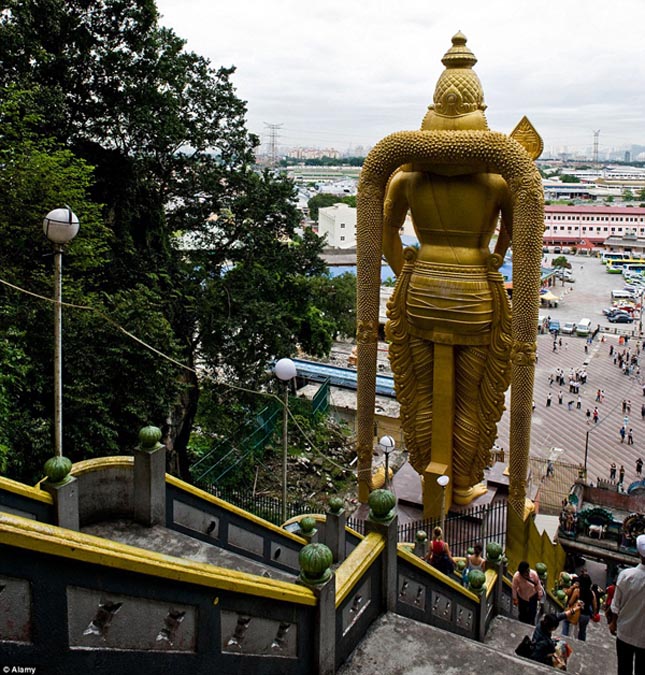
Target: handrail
[[356, 564], [404, 553], [57, 541], [25, 490], [207, 497]]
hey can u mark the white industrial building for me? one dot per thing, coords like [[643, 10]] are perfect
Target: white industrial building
[[338, 222]]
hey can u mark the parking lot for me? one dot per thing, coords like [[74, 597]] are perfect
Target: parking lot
[[587, 295]]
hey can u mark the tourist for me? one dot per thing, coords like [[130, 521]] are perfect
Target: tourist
[[622, 434], [589, 606], [627, 616], [612, 471], [548, 400], [474, 561], [527, 592], [621, 474], [439, 555], [639, 467], [630, 437], [544, 649]]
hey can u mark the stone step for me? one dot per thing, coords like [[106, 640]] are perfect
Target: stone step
[[596, 654], [396, 645]]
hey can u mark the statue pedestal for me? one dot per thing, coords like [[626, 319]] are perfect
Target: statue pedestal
[[433, 493]]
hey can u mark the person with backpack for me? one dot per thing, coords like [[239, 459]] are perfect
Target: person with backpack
[[543, 647], [583, 601]]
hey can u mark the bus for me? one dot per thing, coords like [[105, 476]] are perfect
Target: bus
[[607, 256], [618, 265]]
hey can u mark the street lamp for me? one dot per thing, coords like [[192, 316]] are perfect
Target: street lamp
[[285, 370], [443, 481], [60, 227], [386, 444]]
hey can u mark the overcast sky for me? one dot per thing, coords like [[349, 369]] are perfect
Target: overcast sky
[[342, 73]]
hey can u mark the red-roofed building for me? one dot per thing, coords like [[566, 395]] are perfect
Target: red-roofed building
[[591, 226]]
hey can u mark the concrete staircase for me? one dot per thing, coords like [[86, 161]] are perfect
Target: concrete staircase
[[395, 645], [596, 654]]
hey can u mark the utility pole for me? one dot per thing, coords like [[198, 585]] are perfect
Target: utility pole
[[596, 134], [273, 141]]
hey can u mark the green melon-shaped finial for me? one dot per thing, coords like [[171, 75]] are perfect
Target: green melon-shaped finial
[[421, 536], [307, 525], [476, 581], [565, 580], [493, 551], [315, 563], [57, 469], [461, 565], [336, 505], [149, 438], [382, 503], [561, 595], [470, 550], [541, 570]]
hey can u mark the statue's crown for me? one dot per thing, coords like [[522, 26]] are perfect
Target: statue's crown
[[458, 91]]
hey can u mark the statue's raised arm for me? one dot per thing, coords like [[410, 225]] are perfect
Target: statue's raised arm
[[450, 331]]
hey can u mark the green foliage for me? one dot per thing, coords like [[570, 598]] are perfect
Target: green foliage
[[628, 195], [561, 262], [568, 178], [182, 240], [323, 161], [325, 199]]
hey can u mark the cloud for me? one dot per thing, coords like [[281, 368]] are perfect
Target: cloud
[[356, 71]]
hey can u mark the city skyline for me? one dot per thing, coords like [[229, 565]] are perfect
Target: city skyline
[[338, 74]]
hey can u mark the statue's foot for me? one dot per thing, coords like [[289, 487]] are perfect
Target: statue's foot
[[466, 495], [529, 508]]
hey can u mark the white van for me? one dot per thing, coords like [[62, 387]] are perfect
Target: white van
[[621, 295], [583, 327]]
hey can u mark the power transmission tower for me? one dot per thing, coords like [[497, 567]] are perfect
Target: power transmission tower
[[595, 146], [273, 141]]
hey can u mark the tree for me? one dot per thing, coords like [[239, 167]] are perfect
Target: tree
[[628, 195], [325, 199], [195, 234], [36, 174], [568, 178]]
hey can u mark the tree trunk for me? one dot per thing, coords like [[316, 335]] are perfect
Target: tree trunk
[[180, 424]]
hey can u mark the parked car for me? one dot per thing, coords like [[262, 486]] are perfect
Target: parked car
[[568, 328], [583, 327], [621, 317], [565, 275], [554, 326]]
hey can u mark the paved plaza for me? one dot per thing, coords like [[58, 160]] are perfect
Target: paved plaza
[[559, 433]]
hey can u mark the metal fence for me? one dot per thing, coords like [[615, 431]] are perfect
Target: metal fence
[[230, 453], [551, 487], [478, 525], [269, 508]]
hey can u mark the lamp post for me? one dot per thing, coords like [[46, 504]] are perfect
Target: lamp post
[[285, 370], [387, 445], [443, 481], [60, 227]]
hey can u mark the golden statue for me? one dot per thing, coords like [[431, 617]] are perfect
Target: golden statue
[[452, 339]]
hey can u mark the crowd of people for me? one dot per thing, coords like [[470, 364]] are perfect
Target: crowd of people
[[623, 604]]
